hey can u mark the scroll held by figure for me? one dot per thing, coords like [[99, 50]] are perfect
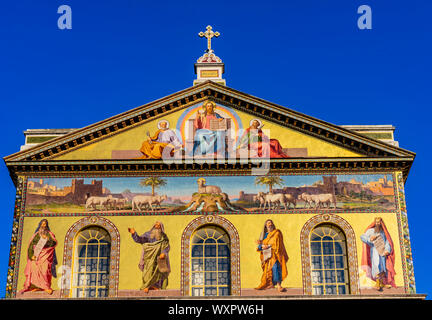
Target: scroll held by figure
[[154, 262]]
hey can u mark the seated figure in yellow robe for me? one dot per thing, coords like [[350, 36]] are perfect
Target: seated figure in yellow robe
[[154, 146], [273, 257]]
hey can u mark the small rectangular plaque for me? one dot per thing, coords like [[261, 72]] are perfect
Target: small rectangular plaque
[[209, 74]]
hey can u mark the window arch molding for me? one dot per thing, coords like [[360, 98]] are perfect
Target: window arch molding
[[346, 228], [72, 233], [186, 246]]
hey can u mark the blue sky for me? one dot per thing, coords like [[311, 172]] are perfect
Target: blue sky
[[309, 56]]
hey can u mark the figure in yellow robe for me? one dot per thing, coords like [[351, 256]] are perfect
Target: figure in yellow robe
[[273, 257], [154, 146]]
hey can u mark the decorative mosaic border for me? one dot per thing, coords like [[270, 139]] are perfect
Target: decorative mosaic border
[[218, 167], [194, 213], [351, 250], [12, 273], [191, 172], [405, 242], [114, 257], [235, 251]]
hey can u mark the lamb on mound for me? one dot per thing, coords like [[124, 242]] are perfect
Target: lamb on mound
[[209, 199]]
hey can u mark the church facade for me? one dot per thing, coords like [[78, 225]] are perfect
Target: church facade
[[210, 192]]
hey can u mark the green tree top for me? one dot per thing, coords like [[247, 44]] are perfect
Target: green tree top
[[269, 181], [153, 182]]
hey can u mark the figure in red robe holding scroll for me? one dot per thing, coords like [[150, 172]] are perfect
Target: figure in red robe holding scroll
[[378, 255], [41, 260]]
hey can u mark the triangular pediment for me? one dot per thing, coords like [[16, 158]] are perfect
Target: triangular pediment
[[290, 133], [183, 131]]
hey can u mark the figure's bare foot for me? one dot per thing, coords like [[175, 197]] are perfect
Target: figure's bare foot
[[279, 287], [146, 290], [264, 287], [49, 291]]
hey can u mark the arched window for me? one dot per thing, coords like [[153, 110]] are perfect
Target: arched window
[[91, 263], [329, 265], [210, 262]]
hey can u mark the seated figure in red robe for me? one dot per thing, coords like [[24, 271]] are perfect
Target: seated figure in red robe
[[255, 139]]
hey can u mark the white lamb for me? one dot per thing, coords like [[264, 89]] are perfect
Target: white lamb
[[140, 202], [203, 188], [118, 203], [324, 198], [307, 198], [275, 199], [318, 199], [94, 201]]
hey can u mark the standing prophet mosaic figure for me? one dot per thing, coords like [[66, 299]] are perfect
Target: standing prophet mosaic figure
[[154, 261], [378, 255], [41, 260], [273, 257]]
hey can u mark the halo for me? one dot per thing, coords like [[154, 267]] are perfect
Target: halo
[[207, 102], [160, 121], [259, 121]]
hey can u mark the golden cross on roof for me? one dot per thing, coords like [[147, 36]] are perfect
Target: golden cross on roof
[[209, 34]]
